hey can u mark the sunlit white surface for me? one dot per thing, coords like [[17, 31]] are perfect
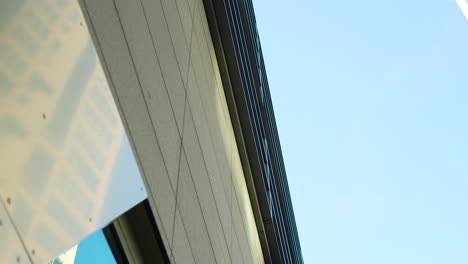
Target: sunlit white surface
[[69, 256], [67, 166], [11, 249], [463, 4]]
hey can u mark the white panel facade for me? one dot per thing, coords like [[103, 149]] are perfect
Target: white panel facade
[[67, 168]]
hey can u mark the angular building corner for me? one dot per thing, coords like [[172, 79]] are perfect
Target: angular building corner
[[143, 126]]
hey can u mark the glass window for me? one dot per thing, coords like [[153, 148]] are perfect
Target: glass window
[[93, 249]]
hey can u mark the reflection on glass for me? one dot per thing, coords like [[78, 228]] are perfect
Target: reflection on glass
[[94, 249]]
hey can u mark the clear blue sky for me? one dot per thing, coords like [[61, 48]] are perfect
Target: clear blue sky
[[371, 101]]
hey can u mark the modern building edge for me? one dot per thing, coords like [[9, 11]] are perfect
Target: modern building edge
[[139, 131], [240, 59]]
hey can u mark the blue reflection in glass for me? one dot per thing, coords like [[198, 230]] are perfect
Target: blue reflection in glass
[[94, 250]]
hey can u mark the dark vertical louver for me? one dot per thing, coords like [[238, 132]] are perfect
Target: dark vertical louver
[[235, 36]]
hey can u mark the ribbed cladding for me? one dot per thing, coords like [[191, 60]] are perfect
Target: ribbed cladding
[[272, 135], [241, 45]]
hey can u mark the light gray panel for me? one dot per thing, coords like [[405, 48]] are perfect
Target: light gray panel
[[209, 59], [181, 47], [127, 90], [192, 216], [151, 80], [186, 18], [238, 254], [240, 230], [167, 57], [204, 187], [211, 99], [208, 56], [11, 249], [215, 119], [203, 33], [181, 250], [244, 206], [162, 195], [203, 132], [223, 139], [191, 4], [223, 134]]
